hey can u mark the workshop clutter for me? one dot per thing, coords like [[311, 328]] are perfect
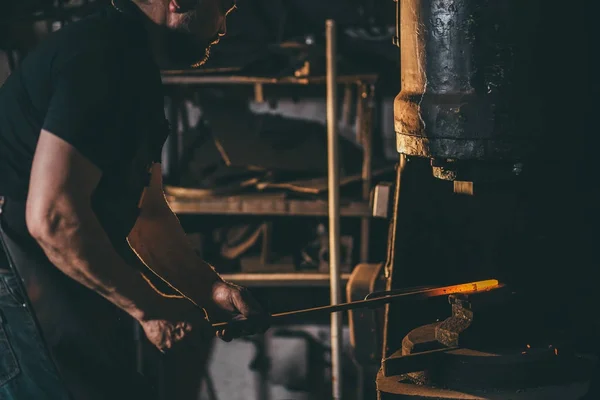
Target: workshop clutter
[[262, 161], [272, 246], [261, 152]]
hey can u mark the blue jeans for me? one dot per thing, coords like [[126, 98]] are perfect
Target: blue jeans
[[26, 369]]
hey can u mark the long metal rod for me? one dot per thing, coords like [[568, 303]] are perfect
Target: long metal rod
[[334, 208], [406, 295], [390, 263], [365, 127]]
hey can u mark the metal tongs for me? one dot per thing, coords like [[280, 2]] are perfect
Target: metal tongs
[[373, 300]]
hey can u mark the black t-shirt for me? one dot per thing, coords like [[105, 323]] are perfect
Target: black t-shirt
[[95, 85]]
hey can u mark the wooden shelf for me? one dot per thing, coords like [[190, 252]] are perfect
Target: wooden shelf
[[261, 204], [192, 77], [291, 279]]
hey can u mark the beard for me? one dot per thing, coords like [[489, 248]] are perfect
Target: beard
[[184, 49]]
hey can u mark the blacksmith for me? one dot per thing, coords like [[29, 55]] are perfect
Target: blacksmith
[[90, 244]]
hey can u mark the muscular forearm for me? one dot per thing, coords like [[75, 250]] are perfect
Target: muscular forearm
[[79, 247], [159, 240]]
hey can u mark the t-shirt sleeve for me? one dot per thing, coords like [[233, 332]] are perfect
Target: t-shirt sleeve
[[164, 129], [84, 105]]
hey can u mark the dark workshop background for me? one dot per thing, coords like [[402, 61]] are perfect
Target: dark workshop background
[[267, 155], [250, 162]]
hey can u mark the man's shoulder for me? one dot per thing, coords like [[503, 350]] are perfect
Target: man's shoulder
[[99, 38], [95, 34]]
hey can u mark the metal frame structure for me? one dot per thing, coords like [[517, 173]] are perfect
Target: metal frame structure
[[187, 201], [364, 111], [333, 173]]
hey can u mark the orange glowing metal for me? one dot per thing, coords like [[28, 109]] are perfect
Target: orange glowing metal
[[465, 288]]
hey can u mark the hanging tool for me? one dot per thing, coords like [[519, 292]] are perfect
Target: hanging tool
[[242, 326]]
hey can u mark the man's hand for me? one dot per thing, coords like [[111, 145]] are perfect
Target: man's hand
[[230, 303], [176, 321]]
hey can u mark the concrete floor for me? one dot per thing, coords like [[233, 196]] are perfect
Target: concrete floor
[[293, 354]]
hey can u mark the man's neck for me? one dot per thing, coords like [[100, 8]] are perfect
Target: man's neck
[[155, 23]]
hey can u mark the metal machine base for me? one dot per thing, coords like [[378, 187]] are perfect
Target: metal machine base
[[396, 388]]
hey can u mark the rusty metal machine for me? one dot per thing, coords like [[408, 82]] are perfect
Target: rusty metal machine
[[470, 124], [468, 100]]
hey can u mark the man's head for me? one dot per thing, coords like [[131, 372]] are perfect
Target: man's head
[[191, 26]]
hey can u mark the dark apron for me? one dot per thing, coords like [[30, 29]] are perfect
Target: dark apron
[[90, 339]]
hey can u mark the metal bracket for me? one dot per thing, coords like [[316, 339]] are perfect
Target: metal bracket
[[381, 198], [366, 346]]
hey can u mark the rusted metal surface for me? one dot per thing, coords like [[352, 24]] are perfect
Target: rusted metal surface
[[465, 93], [419, 340], [448, 331]]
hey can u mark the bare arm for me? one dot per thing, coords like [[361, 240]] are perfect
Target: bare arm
[[160, 241], [59, 216]]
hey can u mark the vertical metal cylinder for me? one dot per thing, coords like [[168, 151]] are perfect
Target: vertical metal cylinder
[[470, 91], [334, 209]]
